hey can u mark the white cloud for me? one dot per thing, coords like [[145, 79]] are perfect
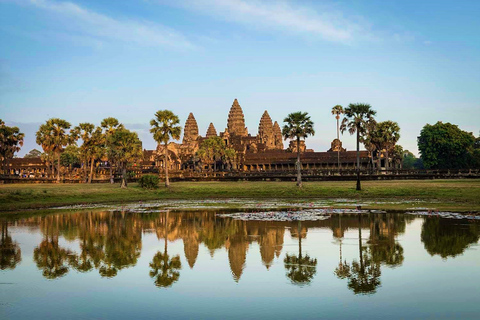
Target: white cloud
[[93, 25], [288, 17]]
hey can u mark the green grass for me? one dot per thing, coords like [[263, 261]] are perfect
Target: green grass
[[463, 195]]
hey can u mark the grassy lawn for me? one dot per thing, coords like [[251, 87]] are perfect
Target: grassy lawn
[[462, 195]]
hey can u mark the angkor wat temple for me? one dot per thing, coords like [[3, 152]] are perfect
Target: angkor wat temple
[[263, 152]]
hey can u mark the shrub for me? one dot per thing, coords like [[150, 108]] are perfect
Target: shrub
[[149, 181]]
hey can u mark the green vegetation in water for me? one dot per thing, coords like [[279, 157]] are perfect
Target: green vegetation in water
[[460, 195]]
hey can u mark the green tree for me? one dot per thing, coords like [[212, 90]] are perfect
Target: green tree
[[337, 111], [298, 126], [409, 161], [386, 135], [213, 149], [93, 145], [70, 157], [11, 140], [165, 126], [125, 149], [110, 125], [357, 116], [445, 146], [34, 153], [53, 137]]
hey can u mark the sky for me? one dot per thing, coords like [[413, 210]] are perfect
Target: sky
[[414, 62]]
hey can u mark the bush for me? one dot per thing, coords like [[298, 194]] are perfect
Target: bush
[[149, 181]]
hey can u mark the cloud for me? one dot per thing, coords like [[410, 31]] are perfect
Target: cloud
[[329, 24], [100, 28]]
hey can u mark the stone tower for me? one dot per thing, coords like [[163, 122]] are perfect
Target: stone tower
[[211, 131], [190, 132], [236, 121], [277, 136], [265, 131]]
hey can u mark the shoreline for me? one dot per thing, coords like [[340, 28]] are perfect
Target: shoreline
[[457, 195]]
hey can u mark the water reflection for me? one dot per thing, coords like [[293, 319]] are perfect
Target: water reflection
[[448, 238], [165, 270], [10, 253], [108, 242], [300, 269]]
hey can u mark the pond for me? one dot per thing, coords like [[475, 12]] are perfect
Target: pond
[[99, 263]]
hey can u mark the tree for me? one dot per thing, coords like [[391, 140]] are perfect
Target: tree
[[409, 161], [370, 140], [213, 150], [386, 135], [93, 146], [52, 136], [70, 157], [337, 111], [445, 146], [11, 139], [165, 126], [298, 126], [109, 126], [125, 149], [357, 116], [34, 153]]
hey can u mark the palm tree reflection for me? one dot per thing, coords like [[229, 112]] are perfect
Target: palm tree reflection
[[363, 275], [10, 253], [301, 269], [165, 270]]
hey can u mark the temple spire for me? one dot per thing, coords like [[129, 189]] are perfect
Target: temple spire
[[211, 131], [265, 131], [236, 120], [277, 136], [190, 132]]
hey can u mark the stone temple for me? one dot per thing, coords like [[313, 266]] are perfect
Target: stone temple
[[263, 152]]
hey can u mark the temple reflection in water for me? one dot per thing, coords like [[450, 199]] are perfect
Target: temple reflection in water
[[108, 242]]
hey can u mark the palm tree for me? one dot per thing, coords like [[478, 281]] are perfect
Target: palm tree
[[298, 125], [165, 126], [337, 111], [390, 134], [52, 136], [110, 125], [92, 147], [357, 115], [124, 148]]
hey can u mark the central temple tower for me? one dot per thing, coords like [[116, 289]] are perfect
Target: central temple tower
[[236, 121]]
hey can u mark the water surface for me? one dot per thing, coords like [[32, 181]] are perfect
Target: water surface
[[196, 264]]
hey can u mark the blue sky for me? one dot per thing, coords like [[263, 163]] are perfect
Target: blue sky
[[415, 62]]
